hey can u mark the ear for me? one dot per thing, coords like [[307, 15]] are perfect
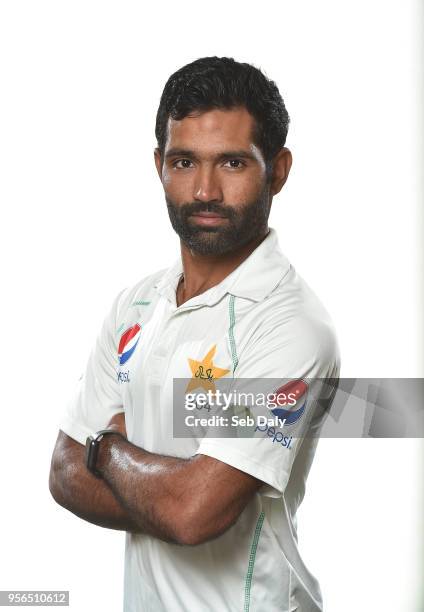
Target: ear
[[280, 171], [158, 162]]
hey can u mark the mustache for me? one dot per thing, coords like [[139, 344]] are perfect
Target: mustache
[[191, 208]]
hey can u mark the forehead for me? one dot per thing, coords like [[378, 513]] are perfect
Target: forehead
[[212, 130]]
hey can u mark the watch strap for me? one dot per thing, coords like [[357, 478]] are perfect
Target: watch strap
[[92, 446]]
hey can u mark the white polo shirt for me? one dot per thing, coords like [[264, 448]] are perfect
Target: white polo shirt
[[261, 321]]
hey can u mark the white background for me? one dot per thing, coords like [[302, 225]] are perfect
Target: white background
[[83, 216]]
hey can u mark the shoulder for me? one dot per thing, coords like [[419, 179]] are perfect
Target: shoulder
[[141, 293], [293, 325], [143, 290]]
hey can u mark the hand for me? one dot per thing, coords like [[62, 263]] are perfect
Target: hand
[[117, 422]]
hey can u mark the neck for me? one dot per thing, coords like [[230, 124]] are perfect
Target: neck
[[201, 272]]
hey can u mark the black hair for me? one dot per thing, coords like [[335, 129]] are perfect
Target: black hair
[[221, 82]]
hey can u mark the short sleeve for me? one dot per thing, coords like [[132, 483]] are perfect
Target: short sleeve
[[303, 351], [97, 396]]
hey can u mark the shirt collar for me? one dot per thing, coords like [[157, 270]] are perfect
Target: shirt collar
[[254, 279]]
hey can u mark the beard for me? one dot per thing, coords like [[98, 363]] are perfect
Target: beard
[[243, 224]]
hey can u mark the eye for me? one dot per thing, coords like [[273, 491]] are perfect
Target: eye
[[236, 164], [182, 163]]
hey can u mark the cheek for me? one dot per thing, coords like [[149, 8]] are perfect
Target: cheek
[[242, 188], [177, 186], [166, 177]]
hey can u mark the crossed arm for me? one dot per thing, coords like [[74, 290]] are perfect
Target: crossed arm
[[184, 501]]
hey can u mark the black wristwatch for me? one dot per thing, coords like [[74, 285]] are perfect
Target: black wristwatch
[[92, 448]]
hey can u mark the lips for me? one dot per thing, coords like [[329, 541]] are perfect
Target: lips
[[208, 215], [207, 219]]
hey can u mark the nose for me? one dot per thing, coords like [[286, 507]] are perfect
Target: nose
[[207, 187]]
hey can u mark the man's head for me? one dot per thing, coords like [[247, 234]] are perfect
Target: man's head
[[221, 128]]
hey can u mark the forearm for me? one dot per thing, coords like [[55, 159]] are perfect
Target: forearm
[[148, 487], [184, 501], [86, 496]]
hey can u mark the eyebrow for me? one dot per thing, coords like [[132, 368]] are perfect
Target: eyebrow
[[241, 153]]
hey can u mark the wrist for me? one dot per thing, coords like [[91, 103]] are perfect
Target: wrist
[[97, 449]]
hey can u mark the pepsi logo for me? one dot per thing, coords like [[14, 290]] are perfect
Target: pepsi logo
[[128, 343], [291, 401]]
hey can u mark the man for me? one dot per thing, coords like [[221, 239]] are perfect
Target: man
[[210, 522]]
